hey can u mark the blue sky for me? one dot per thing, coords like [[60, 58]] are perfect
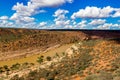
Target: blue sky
[[60, 14]]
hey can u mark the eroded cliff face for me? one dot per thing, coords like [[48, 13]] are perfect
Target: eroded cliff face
[[16, 39], [85, 60], [19, 41]]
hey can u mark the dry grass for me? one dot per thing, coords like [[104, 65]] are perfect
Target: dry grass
[[33, 58]]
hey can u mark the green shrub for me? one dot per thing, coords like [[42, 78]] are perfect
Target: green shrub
[[6, 68], [1, 70], [15, 77], [48, 58], [92, 77], [15, 66], [101, 76], [40, 59]]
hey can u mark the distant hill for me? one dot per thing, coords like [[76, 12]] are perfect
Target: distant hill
[[95, 56], [15, 39]]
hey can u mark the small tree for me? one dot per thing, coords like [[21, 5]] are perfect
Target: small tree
[[40, 59], [6, 68], [15, 77], [15, 66], [1, 69], [57, 55], [48, 58], [63, 53]]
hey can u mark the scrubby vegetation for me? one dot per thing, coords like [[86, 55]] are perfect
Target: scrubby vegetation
[[67, 67], [91, 61], [15, 67], [17, 39], [85, 60]]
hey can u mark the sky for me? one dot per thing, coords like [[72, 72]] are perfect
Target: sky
[[60, 14]]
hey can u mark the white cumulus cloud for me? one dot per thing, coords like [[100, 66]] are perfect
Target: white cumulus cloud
[[60, 18], [24, 12], [117, 13], [104, 26], [81, 25], [93, 12], [4, 18], [42, 24], [97, 22], [47, 3]]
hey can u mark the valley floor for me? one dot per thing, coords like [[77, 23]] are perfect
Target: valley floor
[[35, 54]]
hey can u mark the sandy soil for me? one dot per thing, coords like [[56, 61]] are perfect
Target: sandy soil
[[32, 57], [23, 53]]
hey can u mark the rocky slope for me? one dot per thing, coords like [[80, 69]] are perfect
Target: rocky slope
[[17, 39], [13, 41], [86, 60]]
